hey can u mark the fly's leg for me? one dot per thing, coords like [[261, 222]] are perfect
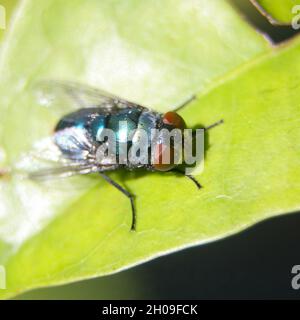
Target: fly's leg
[[127, 194], [198, 185], [185, 103]]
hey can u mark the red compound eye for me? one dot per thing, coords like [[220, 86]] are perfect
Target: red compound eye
[[174, 119], [163, 157]]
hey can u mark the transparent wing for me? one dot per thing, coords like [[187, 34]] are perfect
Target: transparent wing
[[64, 97], [45, 161], [61, 172]]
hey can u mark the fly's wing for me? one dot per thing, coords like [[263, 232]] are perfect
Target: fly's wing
[[46, 161], [61, 172], [65, 97]]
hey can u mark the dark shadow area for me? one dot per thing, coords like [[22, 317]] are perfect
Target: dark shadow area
[[276, 33], [255, 264]]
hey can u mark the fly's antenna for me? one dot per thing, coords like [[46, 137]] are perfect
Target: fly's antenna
[[214, 124]]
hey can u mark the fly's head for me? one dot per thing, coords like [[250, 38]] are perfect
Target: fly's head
[[168, 146]]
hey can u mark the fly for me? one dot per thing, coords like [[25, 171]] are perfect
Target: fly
[[91, 112]]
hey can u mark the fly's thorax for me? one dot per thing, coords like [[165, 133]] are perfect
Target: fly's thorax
[[139, 153], [124, 137]]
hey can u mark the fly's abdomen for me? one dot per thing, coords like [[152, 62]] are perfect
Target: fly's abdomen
[[74, 142], [81, 118], [73, 135]]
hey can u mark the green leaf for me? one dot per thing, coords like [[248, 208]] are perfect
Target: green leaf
[[278, 11], [66, 230]]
